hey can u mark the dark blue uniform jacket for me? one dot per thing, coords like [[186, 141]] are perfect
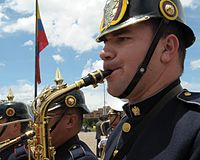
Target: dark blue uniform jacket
[[17, 151], [173, 134], [74, 149]]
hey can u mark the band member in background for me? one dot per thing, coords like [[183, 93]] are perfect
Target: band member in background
[[98, 134], [114, 118], [145, 44], [65, 115], [65, 120], [14, 122]]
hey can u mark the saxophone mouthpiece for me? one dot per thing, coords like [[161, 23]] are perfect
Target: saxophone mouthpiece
[[106, 73], [96, 77]]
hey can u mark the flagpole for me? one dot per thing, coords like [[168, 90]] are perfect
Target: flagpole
[[104, 100], [41, 42], [36, 47]]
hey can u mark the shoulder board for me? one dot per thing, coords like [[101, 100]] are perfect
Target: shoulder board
[[77, 151], [189, 97]]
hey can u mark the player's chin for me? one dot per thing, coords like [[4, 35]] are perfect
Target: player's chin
[[114, 89]]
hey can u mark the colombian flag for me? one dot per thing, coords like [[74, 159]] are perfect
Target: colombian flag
[[41, 40]]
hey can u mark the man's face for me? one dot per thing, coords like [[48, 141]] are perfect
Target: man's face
[[53, 116], [123, 52], [60, 133], [2, 130], [9, 131], [114, 119]]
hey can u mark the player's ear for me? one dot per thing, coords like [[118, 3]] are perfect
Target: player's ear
[[71, 120], [170, 45]]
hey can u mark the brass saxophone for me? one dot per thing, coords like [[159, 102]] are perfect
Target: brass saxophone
[[41, 142]]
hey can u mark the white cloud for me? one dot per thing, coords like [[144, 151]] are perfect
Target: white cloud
[[74, 24], [2, 17], [20, 6], [22, 24], [195, 64], [190, 3], [22, 91], [92, 66], [2, 64], [58, 58], [191, 86], [28, 43]]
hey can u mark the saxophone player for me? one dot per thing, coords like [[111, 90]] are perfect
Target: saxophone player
[[65, 120], [14, 122]]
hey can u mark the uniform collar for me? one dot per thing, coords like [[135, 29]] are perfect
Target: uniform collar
[[69, 143], [142, 108]]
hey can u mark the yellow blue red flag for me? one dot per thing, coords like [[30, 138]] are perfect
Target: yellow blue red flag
[[41, 41]]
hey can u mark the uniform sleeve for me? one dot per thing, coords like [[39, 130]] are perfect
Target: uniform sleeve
[[195, 153]]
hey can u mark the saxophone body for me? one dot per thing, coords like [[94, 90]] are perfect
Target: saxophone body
[[40, 145]]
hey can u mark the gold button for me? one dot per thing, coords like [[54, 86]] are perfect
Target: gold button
[[126, 127], [187, 94], [136, 111], [115, 152]]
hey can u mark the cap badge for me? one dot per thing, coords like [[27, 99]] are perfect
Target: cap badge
[[70, 101], [10, 112], [114, 11], [168, 9], [136, 111]]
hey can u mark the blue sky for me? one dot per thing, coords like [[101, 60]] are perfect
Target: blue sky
[[71, 28]]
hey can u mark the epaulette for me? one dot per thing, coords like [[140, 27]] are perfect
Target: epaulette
[[77, 151], [189, 97]]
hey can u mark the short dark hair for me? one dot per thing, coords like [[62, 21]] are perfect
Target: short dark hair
[[172, 28]]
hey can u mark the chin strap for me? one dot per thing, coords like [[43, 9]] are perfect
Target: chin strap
[[56, 123], [3, 130], [143, 66]]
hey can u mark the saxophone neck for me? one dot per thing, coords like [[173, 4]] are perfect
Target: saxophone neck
[[7, 143]]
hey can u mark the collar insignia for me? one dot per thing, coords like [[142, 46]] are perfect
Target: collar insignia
[[187, 94], [136, 111]]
